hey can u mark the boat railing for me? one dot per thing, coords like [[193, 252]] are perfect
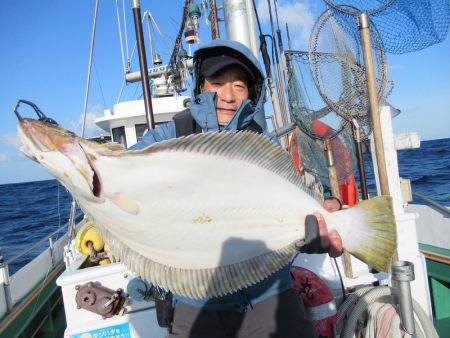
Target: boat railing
[[12, 289], [49, 239], [435, 204]]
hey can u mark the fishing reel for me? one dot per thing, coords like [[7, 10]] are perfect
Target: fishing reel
[[140, 290]]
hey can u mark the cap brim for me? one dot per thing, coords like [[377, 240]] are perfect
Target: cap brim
[[211, 66]]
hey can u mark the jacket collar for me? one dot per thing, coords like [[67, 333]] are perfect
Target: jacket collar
[[203, 110]]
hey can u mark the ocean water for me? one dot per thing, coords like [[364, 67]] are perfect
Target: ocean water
[[31, 211]]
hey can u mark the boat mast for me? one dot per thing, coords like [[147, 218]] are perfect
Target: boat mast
[[136, 5], [240, 23]]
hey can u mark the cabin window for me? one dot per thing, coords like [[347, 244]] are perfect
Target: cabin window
[[118, 135], [140, 130]]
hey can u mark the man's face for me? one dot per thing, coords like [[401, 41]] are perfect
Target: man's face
[[231, 88]]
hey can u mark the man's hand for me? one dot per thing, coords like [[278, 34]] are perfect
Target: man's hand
[[317, 238]]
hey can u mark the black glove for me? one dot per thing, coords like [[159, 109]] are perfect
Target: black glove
[[311, 243]]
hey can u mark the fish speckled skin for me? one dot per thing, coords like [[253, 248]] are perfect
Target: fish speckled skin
[[202, 215]]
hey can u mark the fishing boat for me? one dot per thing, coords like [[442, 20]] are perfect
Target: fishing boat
[[71, 290]]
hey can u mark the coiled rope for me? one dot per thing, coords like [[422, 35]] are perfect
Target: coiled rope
[[353, 308]]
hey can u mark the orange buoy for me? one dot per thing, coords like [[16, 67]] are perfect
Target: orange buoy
[[348, 189]]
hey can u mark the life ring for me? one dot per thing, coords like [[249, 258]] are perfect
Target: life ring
[[88, 234], [348, 189], [318, 300]]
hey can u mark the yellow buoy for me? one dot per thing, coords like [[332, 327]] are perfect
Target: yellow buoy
[[88, 234]]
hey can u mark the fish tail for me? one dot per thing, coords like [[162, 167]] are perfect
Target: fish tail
[[371, 233]]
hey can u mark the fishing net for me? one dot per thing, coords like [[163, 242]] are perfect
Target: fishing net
[[316, 122], [306, 104], [337, 67], [403, 25]]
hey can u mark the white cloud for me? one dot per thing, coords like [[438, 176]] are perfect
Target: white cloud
[[299, 17], [4, 157], [91, 128], [11, 140]]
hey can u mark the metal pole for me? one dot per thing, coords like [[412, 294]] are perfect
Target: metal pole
[[252, 26], [51, 249], [332, 176], [4, 279], [278, 118], [143, 64], [215, 33], [88, 81], [278, 77], [359, 153], [263, 47], [150, 36], [334, 187], [238, 23], [364, 24], [403, 274]]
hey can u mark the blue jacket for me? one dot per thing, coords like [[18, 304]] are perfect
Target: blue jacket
[[203, 110], [203, 107]]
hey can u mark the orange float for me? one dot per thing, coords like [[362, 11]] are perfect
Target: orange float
[[347, 188]]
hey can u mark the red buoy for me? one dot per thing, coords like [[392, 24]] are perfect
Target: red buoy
[[317, 298]]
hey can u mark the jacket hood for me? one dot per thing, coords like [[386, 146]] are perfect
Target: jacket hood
[[228, 47], [204, 102]]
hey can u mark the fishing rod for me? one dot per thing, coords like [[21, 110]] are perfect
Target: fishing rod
[[266, 59], [177, 44], [281, 48], [278, 77], [280, 41], [288, 37]]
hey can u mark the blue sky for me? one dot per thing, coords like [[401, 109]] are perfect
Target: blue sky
[[45, 53]]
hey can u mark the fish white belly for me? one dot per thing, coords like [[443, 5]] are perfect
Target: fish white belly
[[225, 212]]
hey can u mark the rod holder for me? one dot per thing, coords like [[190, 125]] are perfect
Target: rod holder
[[403, 274]]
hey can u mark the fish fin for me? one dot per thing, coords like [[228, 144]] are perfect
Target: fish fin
[[222, 280], [244, 146], [124, 202], [95, 149], [372, 235], [199, 283], [113, 146]]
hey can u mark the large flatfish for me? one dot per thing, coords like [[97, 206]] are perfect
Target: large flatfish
[[203, 215]]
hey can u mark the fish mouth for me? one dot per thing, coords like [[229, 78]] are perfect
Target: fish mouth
[[41, 139], [27, 152], [36, 142], [31, 146]]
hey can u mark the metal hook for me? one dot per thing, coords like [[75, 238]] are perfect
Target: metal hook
[[41, 116]]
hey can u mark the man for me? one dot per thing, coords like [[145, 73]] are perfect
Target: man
[[229, 94]]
